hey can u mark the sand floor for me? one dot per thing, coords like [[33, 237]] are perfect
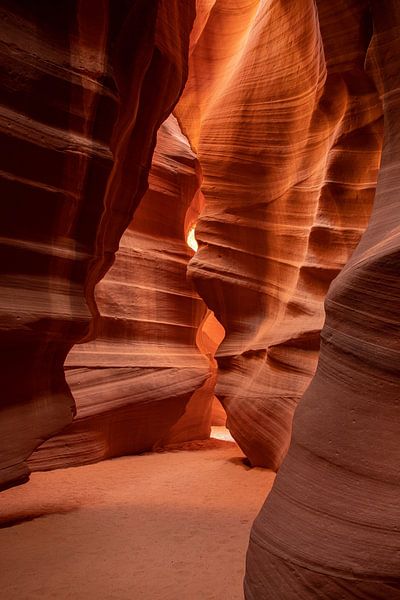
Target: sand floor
[[162, 526]]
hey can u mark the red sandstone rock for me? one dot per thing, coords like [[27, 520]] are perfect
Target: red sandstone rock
[[286, 124], [288, 130], [143, 381], [79, 121], [331, 526]]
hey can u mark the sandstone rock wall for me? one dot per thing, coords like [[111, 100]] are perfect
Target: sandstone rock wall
[[288, 129], [276, 140], [79, 121], [143, 381], [331, 526]]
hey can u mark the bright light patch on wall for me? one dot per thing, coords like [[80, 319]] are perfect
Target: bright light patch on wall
[[221, 433], [191, 239]]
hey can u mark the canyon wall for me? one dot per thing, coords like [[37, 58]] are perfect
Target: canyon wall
[[273, 152], [143, 381], [287, 125], [79, 122], [331, 525]]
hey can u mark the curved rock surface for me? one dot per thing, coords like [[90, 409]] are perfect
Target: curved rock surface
[[331, 526], [143, 381], [78, 123], [288, 129]]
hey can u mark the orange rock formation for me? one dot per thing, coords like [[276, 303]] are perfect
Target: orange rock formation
[[79, 121], [143, 381], [288, 128], [330, 528], [270, 161]]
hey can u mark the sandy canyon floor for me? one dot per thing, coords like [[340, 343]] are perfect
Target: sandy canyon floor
[[163, 526]]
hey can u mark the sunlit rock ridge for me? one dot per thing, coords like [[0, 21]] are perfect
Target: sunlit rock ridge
[[288, 129]]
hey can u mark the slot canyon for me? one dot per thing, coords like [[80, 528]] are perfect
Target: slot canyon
[[200, 300]]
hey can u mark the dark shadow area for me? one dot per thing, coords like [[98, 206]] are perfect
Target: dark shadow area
[[19, 519], [241, 462]]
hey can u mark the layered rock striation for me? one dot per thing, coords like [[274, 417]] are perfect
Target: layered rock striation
[[331, 526], [288, 129], [143, 382], [272, 155], [79, 121]]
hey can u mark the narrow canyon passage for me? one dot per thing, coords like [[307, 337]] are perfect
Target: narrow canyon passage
[[200, 227], [161, 526]]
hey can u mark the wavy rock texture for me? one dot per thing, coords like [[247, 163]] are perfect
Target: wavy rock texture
[[331, 526], [143, 382], [78, 124], [288, 130]]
